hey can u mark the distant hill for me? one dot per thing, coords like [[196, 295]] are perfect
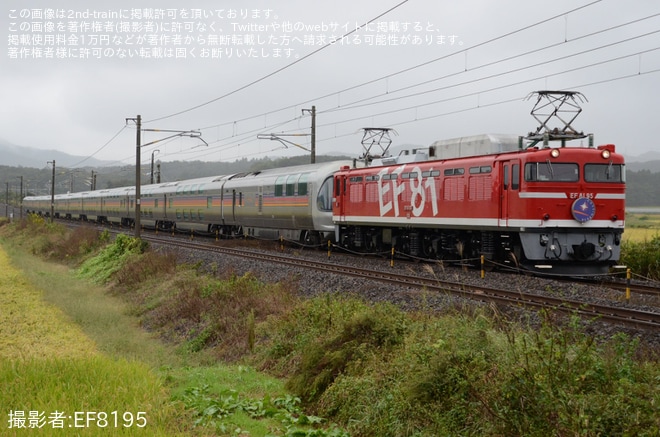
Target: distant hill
[[647, 161], [29, 166], [12, 155]]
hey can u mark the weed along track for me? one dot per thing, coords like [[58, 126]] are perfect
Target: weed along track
[[634, 317], [373, 345]]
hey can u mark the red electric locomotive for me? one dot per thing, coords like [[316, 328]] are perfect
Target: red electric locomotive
[[550, 209]]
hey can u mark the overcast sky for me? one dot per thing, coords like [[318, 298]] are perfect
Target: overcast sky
[[69, 77]]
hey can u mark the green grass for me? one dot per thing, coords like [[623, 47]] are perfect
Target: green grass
[[89, 384], [103, 321], [49, 365], [372, 368]]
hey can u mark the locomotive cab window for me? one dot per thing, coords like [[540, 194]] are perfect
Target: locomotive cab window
[[614, 173], [551, 172]]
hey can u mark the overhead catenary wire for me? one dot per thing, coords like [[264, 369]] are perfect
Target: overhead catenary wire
[[417, 66], [261, 79], [243, 137], [390, 92]]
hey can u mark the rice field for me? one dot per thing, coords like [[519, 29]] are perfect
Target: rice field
[[642, 226], [54, 377]]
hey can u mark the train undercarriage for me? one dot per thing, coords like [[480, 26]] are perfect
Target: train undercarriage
[[572, 252]]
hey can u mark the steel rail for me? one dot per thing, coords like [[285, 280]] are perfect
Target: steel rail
[[627, 316]]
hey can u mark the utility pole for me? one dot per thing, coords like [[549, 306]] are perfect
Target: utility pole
[[152, 165], [138, 124], [52, 193], [138, 145], [20, 197], [313, 152], [7, 199]]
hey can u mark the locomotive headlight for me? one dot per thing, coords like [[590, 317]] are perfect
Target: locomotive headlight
[[554, 153], [605, 154]]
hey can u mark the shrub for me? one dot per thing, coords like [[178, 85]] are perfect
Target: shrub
[[111, 259], [372, 330], [643, 258], [141, 267], [222, 314]]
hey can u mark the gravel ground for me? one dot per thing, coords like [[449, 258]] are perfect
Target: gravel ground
[[311, 283]]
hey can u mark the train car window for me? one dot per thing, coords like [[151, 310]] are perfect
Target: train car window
[[454, 171], [302, 184], [481, 169], [279, 186], [515, 176], [291, 184], [505, 179], [324, 198], [209, 202], [373, 178], [405, 175], [614, 173], [551, 172], [155, 203], [356, 179]]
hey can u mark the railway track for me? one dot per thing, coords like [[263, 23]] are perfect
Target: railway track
[[614, 314], [649, 290]]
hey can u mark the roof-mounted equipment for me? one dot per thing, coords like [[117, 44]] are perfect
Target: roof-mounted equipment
[[563, 106]]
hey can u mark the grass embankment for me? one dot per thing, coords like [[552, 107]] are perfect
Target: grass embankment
[[190, 395], [375, 369], [54, 376]]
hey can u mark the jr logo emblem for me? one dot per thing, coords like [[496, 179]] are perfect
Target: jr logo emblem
[[583, 209]]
